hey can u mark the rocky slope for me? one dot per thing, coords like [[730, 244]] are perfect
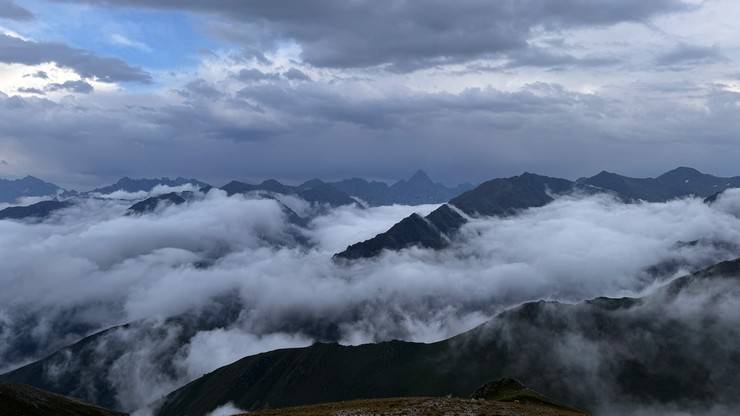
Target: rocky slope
[[674, 347], [24, 400]]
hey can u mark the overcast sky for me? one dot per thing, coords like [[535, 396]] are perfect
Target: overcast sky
[[466, 89]]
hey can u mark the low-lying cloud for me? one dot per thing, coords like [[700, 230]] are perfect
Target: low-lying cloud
[[219, 277]]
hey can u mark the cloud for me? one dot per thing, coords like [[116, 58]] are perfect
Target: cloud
[[118, 39], [690, 55], [37, 74], [296, 75], [31, 90], [407, 35], [253, 74], [234, 259], [14, 50], [80, 86], [10, 10]]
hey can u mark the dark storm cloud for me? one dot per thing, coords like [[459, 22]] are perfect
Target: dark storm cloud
[[80, 86], [10, 10], [685, 54], [299, 130], [407, 35], [88, 65]]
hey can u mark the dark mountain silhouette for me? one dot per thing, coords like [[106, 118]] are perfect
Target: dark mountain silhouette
[[506, 196], [606, 350], [39, 210], [505, 397], [83, 369], [147, 184], [679, 182], [12, 189], [312, 191], [150, 204], [24, 400], [418, 189], [500, 197], [432, 231]]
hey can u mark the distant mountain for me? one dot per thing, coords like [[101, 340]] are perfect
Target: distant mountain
[[506, 196], [500, 197], [676, 183], [127, 184], [24, 400], [595, 353], [432, 231], [12, 189], [38, 210], [419, 189], [312, 191], [150, 204]]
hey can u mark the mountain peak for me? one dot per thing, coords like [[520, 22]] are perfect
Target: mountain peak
[[420, 177], [682, 171]]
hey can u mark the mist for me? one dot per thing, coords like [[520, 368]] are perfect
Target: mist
[[207, 282]]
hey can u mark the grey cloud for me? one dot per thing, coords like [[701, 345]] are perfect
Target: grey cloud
[[296, 74], [547, 58], [407, 35], [79, 86], [88, 65], [253, 74], [29, 90], [690, 55], [37, 74], [301, 130], [10, 10], [570, 250]]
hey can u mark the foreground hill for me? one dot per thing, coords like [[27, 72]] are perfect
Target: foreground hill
[[23, 400], [675, 347]]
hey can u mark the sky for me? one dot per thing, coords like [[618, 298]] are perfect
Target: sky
[[92, 90]]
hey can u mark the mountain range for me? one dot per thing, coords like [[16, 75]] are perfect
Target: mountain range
[[525, 342], [507, 196], [29, 186]]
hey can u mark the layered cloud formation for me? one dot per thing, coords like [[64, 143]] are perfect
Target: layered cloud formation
[[334, 89], [210, 281]]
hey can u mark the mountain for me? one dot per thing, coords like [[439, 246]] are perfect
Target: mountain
[[127, 184], [501, 397], [504, 196], [314, 191], [419, 189], [677, 183], [150, 204], [12, 189], [663, 349], [432, 231], [507, 196], [38, 210], [24, 400], [86, 368]]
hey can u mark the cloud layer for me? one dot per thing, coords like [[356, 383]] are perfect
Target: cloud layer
[[89, 267]]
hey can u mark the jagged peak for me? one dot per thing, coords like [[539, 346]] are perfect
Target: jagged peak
[[420, 176]]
